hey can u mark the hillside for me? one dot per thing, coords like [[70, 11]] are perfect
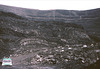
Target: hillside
[[38, 39], [89, 19]]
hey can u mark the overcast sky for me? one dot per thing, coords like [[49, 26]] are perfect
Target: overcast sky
[[54, 4]]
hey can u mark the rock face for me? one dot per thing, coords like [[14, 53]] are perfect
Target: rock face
[[45, 44]]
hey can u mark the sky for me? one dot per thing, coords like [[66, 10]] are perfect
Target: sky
[[53, 4]]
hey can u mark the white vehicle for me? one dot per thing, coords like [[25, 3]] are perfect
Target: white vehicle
[[6, 61]]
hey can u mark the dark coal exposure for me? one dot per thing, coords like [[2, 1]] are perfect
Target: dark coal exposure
[[50, 39]]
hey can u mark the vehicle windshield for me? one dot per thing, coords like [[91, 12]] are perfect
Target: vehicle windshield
[[6, 60]]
